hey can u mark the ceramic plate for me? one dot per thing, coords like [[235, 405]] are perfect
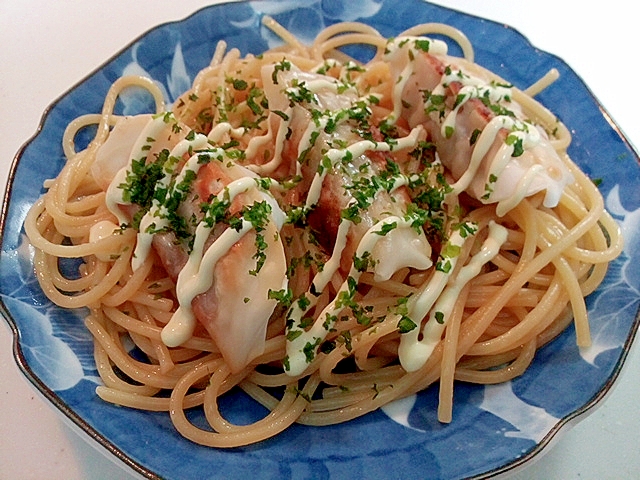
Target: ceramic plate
[[495, 428]]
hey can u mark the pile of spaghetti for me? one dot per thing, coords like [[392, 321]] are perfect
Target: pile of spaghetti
[[326, 235]]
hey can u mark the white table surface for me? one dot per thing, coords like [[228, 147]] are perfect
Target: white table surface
[[46, 47]]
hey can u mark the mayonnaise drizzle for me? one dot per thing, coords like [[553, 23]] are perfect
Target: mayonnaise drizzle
[[254, 146], [439, 297], [281, 134], [357, 149], [195, 278], [156, 218], [552, 177], [114, 195], [197, 275], [296, 347], [100, 231], [302, 343], [222, 129], [303, 346], [526, 133], [521, 189]]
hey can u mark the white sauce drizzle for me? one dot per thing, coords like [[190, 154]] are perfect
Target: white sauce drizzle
[[356, 150], [296, 347], [368, 243], [114, 195], [439, 297], [323, 277], [156, 218], [222, 129], [254, 145], [276, 160], [303, 343], [552, 177], [196, 277], [504, 206], [100, 231], [473, 87], [527, 134]]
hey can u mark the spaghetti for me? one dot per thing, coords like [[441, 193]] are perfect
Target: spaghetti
[[344, 234]]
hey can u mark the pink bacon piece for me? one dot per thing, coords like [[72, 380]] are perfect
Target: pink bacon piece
[[412, 249], [432, 92], [236, 309]]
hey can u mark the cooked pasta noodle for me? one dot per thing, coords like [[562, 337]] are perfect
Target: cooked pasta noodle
[[326, 235]]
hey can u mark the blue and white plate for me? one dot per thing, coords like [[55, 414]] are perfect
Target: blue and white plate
[[495, 428]]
